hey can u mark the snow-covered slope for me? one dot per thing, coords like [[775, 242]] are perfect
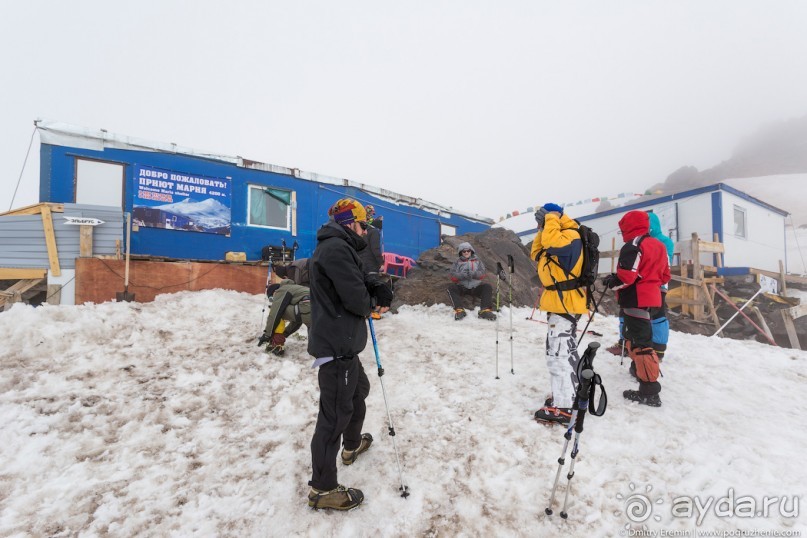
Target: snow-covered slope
[[209, 213], [165, 419]]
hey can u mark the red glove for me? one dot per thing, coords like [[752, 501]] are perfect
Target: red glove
[[278, 339]]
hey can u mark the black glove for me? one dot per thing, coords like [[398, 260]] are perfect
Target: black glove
[[263, 339], [540, 217], [611, 281], [382, 295]]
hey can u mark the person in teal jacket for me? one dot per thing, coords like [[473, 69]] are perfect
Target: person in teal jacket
[[658, 316]]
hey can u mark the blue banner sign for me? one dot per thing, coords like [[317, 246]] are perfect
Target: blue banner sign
[[179, 201]]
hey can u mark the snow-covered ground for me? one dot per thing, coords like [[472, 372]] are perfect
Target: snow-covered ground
[[165, 419]]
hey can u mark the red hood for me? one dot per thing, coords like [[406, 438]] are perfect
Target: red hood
[[634, 224]]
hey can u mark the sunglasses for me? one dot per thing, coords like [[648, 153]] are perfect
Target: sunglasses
[[466, 250], [363, 224]]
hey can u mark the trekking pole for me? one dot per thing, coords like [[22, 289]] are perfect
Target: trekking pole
[[512, 266], [266, 294], [586, 378], [499, 271], [404, 489], [294, 248], [596, 308], [534, 306], [283, 250]]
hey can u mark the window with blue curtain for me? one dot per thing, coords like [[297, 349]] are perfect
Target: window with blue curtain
[[269, 207]]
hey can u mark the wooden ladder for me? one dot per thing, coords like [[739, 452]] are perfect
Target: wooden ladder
[[14, 293]]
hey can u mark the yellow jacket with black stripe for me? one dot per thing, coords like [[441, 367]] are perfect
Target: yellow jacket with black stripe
[[558, 250]]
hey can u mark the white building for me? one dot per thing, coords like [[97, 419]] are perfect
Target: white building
[[752, 231]]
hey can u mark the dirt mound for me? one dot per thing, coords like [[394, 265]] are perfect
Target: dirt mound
[[428, 282]]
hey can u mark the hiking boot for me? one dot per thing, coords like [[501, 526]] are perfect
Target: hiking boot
[[488, 314], [349, 456], [551, 415], [375, 315], [616, 349], [275, 350], [652, 400], [341, 498], [459, 313]]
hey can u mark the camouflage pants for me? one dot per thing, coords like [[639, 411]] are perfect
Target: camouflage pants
[[562, 359]]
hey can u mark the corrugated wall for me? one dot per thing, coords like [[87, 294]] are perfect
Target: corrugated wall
[[22, 239]]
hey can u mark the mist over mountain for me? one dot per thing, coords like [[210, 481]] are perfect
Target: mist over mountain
[[774, 149]]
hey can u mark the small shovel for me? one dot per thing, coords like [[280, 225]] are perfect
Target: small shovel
[[125, 295]]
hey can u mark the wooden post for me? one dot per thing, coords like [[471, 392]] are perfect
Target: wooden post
[[697, 274], [613, 247], [54, 294], [684, 288], [50, 241], [782, 281], [85, 241], [718, 255], [710, 303], [790, 327]]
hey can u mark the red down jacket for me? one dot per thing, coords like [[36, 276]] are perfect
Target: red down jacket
[[643, 264]]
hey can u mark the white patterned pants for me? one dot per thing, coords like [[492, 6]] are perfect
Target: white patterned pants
[[562, 359]]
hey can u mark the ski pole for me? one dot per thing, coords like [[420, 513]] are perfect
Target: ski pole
[[534, 306], [283, 250], [596, 308], [512, 266], [404, 489], [499, 271], [294, 248], [266, 293], [585, 378]]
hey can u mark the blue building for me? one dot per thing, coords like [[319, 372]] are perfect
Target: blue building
[[191, 205]]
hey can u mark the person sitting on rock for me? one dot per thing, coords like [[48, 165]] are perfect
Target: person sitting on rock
[[467, 275]]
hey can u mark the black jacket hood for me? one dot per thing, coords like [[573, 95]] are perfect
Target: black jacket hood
[[331, 229]]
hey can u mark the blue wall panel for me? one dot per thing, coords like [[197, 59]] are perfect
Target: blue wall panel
[[407, 230]]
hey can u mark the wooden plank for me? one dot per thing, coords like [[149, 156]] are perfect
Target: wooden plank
[[50, 241], [762, 322], [797, 311], [790, 327], [793, 279], [782, 281], [718, 255], [34, 209], [85, 241], [54, 294], [681, 301], [693, 282], [613, 248], [14, 273], [697, 311], [709, 246], [711, 304], [684, 290]]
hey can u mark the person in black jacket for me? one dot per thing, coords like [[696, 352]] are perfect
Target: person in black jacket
[[372, 256], [341, 299]]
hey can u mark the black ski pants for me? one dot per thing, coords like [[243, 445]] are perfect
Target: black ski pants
[[483, 291], [343, 387]]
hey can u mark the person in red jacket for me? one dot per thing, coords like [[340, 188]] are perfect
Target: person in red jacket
[[642, 269]]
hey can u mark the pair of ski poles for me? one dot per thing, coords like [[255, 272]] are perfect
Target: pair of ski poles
[[500, 273], [583, 401]]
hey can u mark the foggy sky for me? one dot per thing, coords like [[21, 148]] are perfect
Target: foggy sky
[[484, 106]]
